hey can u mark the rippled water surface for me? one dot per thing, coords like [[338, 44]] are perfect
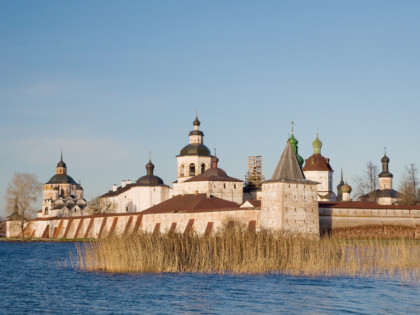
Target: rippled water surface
[[38, 278]]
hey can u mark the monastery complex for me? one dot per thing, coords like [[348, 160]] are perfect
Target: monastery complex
[[298, 197]]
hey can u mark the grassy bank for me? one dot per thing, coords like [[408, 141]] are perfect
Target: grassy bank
[[252, 253]]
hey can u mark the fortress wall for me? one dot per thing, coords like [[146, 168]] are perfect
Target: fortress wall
[[117, 224], [300, 219], [333, 218], [219, 219]]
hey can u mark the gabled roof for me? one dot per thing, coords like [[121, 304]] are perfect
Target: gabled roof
[[192, 203], [251, 204], [317, 162], [288, 168], [213, 174]]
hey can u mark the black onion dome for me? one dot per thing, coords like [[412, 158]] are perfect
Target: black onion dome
[[195, 149], [150, 179], [61, 179], [385, 171], [196, 122], [385, 159], [149, 168], [61, 164]]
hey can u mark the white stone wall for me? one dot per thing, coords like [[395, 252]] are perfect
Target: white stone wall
[[289, 207], [331, 218], [231, 191], [385, 183], [325, 183], [139, 198], [117, 224]]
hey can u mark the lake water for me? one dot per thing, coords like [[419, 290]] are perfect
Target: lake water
[[38, 278]]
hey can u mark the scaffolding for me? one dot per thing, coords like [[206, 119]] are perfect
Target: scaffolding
[[254, 177]]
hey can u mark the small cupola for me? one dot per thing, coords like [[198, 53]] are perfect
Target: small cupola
[[196, 123], [196, 146], [61, 166], [150, 179], [317, 145], [214, 161], [149, 168], [294, 143], [385, 167]]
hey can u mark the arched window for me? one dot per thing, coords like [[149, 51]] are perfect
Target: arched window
[[181, 171], [203, 168], [46, 211], [192, 169]]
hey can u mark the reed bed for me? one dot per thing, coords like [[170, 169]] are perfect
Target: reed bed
[[241, 252]]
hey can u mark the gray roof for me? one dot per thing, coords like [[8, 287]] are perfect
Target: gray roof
[[61, 179], [195, 149], [384, 193], [288, 168]]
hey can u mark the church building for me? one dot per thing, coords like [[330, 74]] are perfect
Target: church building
[[317, 168], [385, 195], [62, 196], [147, 191]]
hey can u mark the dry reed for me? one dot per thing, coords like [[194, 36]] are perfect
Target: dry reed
[[251, 253]]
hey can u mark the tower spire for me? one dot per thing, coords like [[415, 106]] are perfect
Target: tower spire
[[294, 143]]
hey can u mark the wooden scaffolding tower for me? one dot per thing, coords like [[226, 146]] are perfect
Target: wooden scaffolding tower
[[254, 177]]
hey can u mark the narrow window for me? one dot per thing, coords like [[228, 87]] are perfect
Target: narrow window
[[192, 169], [181, 171], [203, 168]]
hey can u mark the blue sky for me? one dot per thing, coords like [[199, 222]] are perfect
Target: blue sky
[[109, 81]]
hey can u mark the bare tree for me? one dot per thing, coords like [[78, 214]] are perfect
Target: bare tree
[[22, 191], [368, 183], [101, 205], [409, 186]]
